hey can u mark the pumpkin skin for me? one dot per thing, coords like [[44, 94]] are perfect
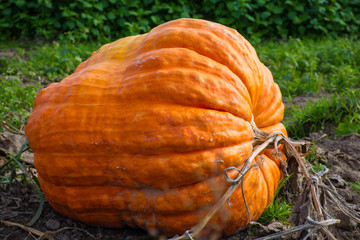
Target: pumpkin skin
[[141, 133]]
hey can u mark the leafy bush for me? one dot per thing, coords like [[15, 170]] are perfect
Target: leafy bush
[[84, 19], [111, 19]]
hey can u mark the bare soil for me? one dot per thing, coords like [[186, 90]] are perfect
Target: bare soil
[[19, 203]]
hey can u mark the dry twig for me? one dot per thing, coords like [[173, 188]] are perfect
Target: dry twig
[[44, 235], [26, 228]]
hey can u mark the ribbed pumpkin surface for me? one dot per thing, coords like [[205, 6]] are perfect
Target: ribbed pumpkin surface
[[141, 133]]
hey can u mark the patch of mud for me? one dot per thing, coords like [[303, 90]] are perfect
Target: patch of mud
[[302, 100], [342, 157], [8, 53], [341, 154]]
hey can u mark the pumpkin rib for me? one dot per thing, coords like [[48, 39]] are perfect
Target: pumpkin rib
[[141, 137], [186, 63], [273, 128], [270, 172], [274, 112], [203, 166], [103, 153], [122, 50], [218, 40], [186, 58], [258, 197], [112, 206], [169, 36], [103, 147], [107, 195], [122, 104], [146, 154], [266, 93]]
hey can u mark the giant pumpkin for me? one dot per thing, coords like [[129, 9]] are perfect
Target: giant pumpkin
[[141, 133]]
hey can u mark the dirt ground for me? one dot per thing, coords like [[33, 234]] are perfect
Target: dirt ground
[[18, 203]]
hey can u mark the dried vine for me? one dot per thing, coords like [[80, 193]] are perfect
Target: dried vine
[[316, 181]]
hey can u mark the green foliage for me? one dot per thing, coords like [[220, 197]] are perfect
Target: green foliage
[[16, 101], [355, 186], [285, 18], [87, 19], [339, 109], [11, 171], [312, 157], [46, 62], [278, 209], [318, 167], [302, 66], [351, 122], [22, 74], [110, 19]]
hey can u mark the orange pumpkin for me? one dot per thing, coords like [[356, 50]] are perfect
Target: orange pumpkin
[[142, 131]]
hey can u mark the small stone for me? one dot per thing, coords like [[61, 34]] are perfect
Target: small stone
[[320, 151], [52, 224], [275, 226], [69, 222], [317, 136]]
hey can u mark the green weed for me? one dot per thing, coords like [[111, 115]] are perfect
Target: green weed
[[278, 209], [342, 110], [355, 186], [16, 101]]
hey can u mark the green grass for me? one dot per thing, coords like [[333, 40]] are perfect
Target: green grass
[[16, 100], [306, 65], [49, 62], [342, 110], [355, 186], [279, 209]]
